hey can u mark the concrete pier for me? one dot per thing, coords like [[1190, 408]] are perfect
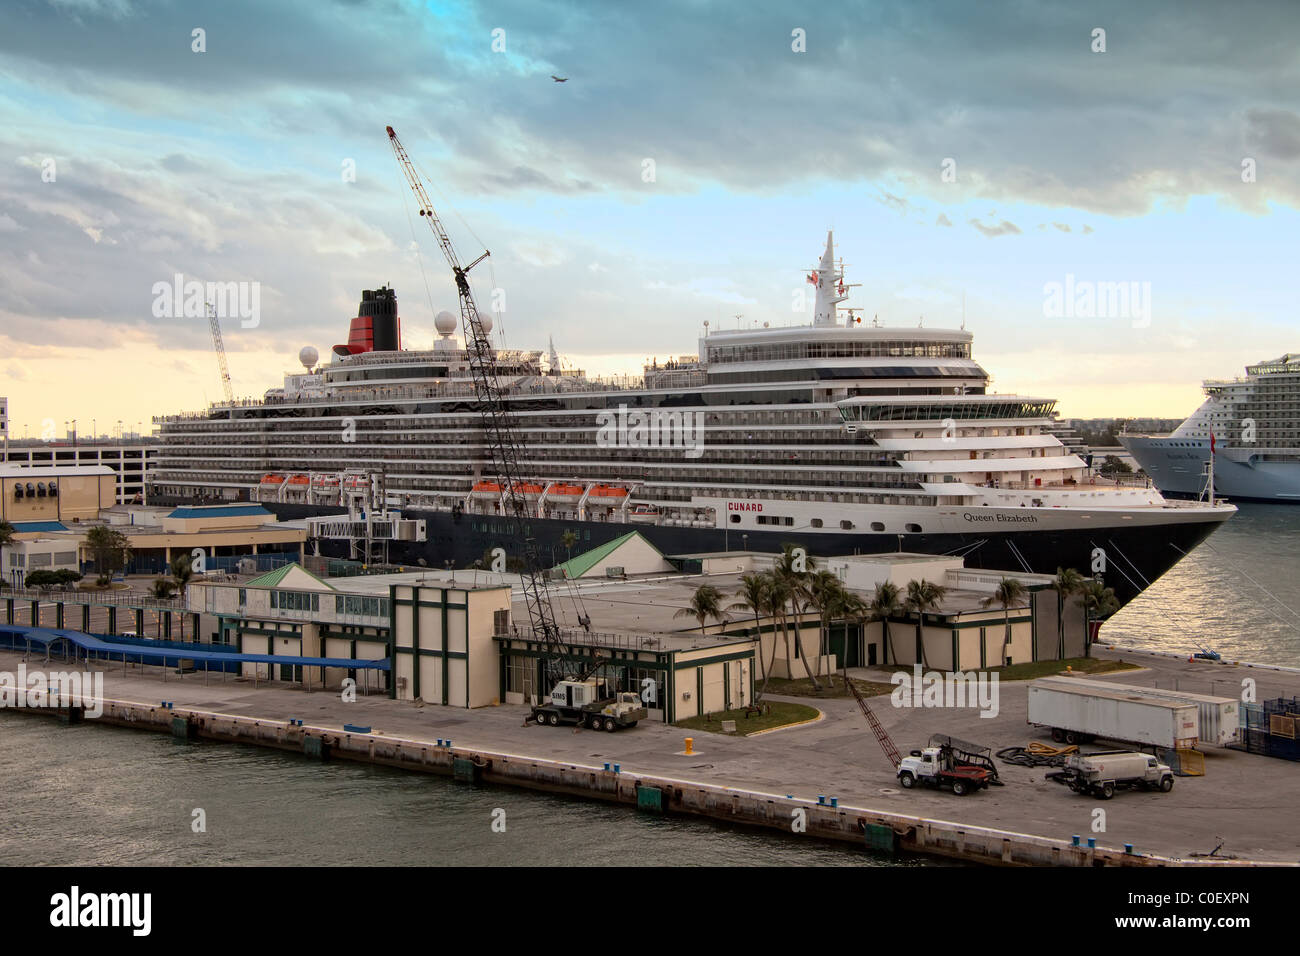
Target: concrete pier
[[762, 781]]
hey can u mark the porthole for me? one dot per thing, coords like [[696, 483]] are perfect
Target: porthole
[[877, 526]]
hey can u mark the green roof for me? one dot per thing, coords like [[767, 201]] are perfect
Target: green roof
[[272, 579], [577, 567]]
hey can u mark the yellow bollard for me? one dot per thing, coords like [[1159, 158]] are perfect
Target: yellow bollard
[[689, 748]]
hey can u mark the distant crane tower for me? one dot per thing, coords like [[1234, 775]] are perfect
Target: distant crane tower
[[220, 349]]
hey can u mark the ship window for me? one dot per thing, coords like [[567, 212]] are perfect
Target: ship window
[[846, 525], [816, 522], [735, 519], [913, 527], [877, 526]]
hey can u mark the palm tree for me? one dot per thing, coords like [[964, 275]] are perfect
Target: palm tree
[[827, 596], [752, 595], [850, 607], [1068, 582], [884, 604], [799, 596], [779, 592], [182, 570], [6, 533], [922, 596], [1099, 601], [706, 602], [1008, 592]]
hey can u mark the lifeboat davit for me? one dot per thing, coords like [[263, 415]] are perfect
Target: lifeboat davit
[[564, 493]]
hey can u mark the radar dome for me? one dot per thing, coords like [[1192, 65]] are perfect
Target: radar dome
[[485, 320], [308, 356], [444, 322]]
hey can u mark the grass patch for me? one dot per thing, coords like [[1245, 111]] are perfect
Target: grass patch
[[778, 714], [831, 687], [1077, 665]]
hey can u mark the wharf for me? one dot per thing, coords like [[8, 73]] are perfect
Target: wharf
[[1244, 801]]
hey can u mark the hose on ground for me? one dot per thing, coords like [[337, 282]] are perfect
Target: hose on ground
[[1037, 754]]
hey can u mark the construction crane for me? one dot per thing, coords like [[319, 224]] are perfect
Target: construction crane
[[220, 349], [498, 427], [882, 735]]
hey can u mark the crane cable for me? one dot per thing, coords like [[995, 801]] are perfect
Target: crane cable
[[415, 243]]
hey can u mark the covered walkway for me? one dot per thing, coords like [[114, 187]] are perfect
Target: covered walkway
[[79, 646]]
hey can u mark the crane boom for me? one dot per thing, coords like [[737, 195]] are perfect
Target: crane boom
[[498, 426], [882, 735], [215, 325]]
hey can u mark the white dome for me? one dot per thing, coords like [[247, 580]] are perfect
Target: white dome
[[308, 356], [485, 320], [444, 322]]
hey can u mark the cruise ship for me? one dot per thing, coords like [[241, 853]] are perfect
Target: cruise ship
[[840, 436], [1253, 425]]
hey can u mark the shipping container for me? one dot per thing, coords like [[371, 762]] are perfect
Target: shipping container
[[1078, 713], [1219, 717]]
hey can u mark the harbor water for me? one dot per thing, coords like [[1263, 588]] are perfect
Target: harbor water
[[1236, 593]]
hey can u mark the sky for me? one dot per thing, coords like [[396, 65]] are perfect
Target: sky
[[973, 160]]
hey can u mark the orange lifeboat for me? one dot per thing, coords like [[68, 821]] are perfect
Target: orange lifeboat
[[273, 479], [608, 492], [529, 489], [486, 489], [563, 493], [299, 481]]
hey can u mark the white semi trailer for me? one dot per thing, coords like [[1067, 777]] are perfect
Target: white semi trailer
[[1219, 717], [1078, 714]]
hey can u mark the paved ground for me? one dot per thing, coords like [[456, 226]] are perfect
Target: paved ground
[[1246, 802]]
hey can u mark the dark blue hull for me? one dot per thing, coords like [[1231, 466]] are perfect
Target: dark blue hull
[[1135, 556]]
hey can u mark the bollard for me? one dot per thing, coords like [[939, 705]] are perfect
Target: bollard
[[607, 768], [821, 799], [1092, 843], [1128, 849], [618, 768], [835, 801], [439, 741], [1074, 840], [690, 743]]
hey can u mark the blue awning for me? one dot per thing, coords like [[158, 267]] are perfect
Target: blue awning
[[47, 636], [27, 526]]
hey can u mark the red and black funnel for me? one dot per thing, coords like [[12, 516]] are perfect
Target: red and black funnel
[[377, 327]]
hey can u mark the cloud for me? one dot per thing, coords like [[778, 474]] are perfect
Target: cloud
[[1274, 132], [943, 220], [1060, 226], [1004, 228]]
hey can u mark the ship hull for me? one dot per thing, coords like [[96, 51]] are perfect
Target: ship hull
[[1135, 556], [1177, 466]]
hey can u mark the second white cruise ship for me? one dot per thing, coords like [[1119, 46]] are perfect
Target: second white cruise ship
[[838, 436], [1253, 426]]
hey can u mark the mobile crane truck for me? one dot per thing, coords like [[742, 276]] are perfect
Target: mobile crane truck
[[948, 762], [589, 703]]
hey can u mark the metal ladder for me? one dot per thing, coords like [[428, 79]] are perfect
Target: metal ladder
[[882, 735]]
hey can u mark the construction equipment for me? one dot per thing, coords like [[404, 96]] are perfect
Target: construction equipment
[[945, 765], [589, 703], [215, 325], [882, 736], [502, 441]]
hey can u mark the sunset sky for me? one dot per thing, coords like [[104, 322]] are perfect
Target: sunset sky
[[232, 165]]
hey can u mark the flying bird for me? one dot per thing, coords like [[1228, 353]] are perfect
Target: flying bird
[[559, 79]]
